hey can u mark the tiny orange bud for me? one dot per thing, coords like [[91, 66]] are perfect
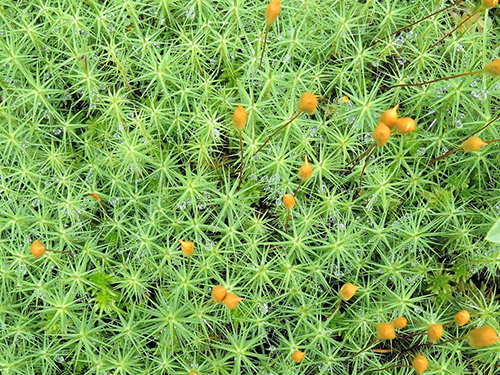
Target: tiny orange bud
[[405, 125], [461, 318], [493, 68], [307, 103], [193, 372], [473, 144], [484, 336], [297, 356], [239, 117], [272, 11], [389, 117], [96, 197], [488, 3], [305, 170], [400, 322], [435, 332], [289, 201], [231, 300], [187, 248], [218, 293], [381, 134], [37, 249], [382, 351], [347, 291], [420, 364], [385, 331]]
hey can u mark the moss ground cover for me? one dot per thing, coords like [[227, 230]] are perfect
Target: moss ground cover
[[120, 156]]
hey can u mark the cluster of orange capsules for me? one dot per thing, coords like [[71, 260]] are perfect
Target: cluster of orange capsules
[[388, 123], [477, 337]]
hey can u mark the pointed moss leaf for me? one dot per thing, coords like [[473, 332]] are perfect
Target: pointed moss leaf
[[494, 233]]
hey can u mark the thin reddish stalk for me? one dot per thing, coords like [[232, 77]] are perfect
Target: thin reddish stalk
[[297, 190], [470, 136], [264, 47], [334, 310], [364, 166], [361, 351], [393, 366], [360, 156], [241, 168], [460, 24], [287, 219], [277, 131], [434, 80], [417, 22], [441, 343]]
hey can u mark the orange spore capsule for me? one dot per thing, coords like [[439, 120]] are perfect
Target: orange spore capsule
[[473, 144], [484, 336], [239, 117], [385, 331], [297, 356], [96, 197], [389, 117], [347, 291], [435, 332], [381, 134], [289, 201], [231, 300], [187, 248], [488, 3], [400, 322], [382, 351], [307, 103], [461, 318], [305, 170], [420, 364], [272, 11], [218, 293], [37, 249], [493, 68], [405, 125]]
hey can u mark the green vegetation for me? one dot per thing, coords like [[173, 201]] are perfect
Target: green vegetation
[[117, 142]]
